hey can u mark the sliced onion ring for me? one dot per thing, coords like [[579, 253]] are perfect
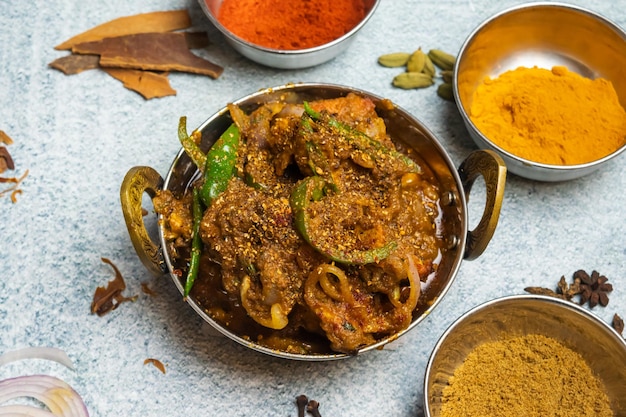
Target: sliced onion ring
[[54, 393], [48, 353], [19, 410]]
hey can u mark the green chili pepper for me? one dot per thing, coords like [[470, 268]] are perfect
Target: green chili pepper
[[360, 139], [251, 182], [220, 164], [196, 242], [219, 167], [189, 144], [314, 188], [319, 165]]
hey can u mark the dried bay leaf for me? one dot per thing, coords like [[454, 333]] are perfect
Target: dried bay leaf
[[149, 51], [161, 21], [147, 83]]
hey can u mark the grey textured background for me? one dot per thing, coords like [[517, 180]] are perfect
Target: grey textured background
[[79, 135]]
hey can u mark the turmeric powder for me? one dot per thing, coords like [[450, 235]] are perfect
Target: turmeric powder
[[555, 117]]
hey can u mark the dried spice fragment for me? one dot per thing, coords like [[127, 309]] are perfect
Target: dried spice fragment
[[543, 291], [310, 406], [618, 324], [152, 52], [569, 290], [147, 83], [4, 138], [14, 189], [313, 408], [594, 288], [196, 40], [564, 291], [301, 402], [106, 299], [149, 51], [161, 21], [157, 364], [7, 164], [147, 290], [74, 64]]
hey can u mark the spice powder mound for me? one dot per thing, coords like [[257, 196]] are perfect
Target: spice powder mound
[[555, 117], [531, 376], [290, 25]]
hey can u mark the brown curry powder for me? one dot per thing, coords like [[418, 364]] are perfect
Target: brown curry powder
[[554, 117], [530, 376]]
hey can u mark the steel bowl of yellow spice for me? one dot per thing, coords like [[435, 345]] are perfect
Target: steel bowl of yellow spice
[[527, 355], [543, 85]]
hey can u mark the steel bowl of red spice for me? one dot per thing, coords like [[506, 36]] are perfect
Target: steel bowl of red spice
[[312, 221], [542, 84], [289, 34], [527, 355]]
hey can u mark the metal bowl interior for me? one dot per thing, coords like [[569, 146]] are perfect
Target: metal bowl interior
[[402, 127], [542, 35], [287, 59], [574, 327]]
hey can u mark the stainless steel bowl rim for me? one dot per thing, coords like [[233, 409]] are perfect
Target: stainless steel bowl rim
[[576, 309], [294, 52], [563, 172]]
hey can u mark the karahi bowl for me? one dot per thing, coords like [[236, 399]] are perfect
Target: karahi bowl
[[574, 327], [287, 59], [461, 243], [542, 35]]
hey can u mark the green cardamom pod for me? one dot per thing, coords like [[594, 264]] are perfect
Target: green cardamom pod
[[445, 91], [447, 76], [442, 59], [395, 59], [429, 67], [416, 61], [409, 80]]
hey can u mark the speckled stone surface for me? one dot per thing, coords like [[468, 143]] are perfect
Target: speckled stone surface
[[79, 135]]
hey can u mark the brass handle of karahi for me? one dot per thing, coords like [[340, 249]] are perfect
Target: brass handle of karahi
[[137, 181], [493, 170]]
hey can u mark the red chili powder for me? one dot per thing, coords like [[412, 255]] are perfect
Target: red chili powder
[[291, 24]]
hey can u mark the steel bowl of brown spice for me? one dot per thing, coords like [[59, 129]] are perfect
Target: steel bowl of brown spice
[[527, 355], [312, 221], [289, 35], [542, 84]]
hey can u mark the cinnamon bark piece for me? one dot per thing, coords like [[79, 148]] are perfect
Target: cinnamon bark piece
[[4, 138], [149, 51], [74, 64], [196, 40], [147, 83], [161, 21]]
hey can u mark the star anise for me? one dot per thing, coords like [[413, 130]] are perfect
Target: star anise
[[594, 288]]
